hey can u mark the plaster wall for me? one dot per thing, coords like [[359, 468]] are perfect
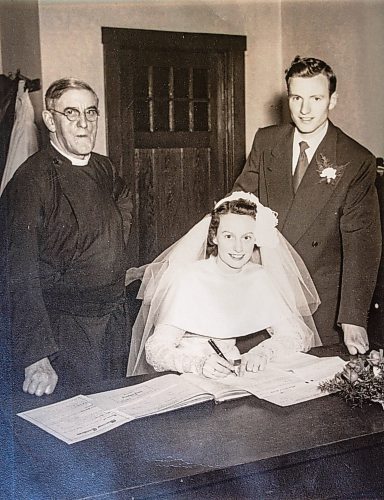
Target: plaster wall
[[54, 38], [20, 43], [348, 35], [70, 34]]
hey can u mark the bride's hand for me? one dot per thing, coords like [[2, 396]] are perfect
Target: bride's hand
[[216, 367], [253, 362]]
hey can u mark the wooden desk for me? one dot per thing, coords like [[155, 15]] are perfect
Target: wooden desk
[[235, 450]]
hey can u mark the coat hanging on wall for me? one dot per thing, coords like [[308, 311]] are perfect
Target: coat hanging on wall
[[8, 91], [23, 142], [18, 138]]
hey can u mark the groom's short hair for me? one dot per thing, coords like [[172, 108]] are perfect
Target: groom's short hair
[[306, 67]]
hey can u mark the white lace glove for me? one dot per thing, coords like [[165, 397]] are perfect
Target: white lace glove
[[216, 367], [286, 336], [163, 354], [256, 358]]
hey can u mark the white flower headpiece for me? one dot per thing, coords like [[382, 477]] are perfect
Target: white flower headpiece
[[266, 219]]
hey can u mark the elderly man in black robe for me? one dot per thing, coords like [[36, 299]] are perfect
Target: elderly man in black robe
[[68, 219]]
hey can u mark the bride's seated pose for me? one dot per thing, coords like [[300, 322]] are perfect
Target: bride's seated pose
[[233, 274]]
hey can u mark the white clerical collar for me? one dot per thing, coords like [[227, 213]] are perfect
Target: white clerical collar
[[313, 142], [78, 162]]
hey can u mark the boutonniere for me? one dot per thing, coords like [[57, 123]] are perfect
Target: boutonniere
[[328, 171]]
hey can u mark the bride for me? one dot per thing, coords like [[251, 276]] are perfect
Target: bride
[[231, 275]]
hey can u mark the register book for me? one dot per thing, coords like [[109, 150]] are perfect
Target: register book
[[289, 381]]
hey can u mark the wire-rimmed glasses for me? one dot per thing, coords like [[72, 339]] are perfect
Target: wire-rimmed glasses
[[73, 114]]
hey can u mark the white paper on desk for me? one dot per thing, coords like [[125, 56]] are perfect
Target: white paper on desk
[[154, 396], [265, 381], [294, 361], [290, 380], [291, 395], [110, 400], [74, 419], [305, 373], [280, 387], [323, 370]]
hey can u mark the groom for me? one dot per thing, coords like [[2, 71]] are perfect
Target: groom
[[321, 183]]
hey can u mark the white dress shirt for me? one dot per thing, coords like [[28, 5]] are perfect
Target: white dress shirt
[[313, 142]]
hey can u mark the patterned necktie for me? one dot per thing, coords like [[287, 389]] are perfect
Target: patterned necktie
[[301, 167]]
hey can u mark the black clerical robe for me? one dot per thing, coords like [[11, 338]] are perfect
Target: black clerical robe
[[67, 232]]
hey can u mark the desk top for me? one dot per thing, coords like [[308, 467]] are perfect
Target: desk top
[[171, 453]]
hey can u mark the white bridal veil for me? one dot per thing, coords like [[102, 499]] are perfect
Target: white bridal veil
[[284, 266]]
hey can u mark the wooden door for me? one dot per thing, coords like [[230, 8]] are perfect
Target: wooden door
[[175, 112]]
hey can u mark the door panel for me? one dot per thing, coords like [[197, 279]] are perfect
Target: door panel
[[175, 95], [172, 186]]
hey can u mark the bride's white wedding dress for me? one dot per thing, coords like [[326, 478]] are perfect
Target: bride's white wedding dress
[[205, 302], [188, 299]]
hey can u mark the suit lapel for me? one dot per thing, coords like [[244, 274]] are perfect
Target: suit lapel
[[312, 194], [278, 175]]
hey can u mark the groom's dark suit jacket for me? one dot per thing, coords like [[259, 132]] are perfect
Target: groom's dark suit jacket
[[335, 226]]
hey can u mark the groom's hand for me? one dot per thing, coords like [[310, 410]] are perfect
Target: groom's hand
[[355, 338]]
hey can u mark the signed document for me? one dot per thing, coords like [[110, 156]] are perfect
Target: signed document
[[284, 382], [310, 371]]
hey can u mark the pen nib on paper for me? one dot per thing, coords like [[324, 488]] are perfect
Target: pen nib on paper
[[215, 347]]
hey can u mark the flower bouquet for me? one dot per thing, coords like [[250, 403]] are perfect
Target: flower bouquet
[[361, 381]]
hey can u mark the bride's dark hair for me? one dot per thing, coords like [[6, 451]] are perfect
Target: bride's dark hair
[[238, 207]]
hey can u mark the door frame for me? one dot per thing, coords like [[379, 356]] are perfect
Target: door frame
[[117, 40], [121, 45]]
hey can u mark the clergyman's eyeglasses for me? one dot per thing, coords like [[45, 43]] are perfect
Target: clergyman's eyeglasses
[[73, 114]]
